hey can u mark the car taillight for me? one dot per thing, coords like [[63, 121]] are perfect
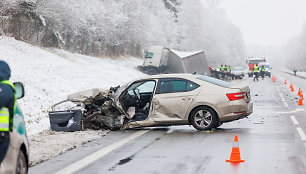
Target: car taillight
[[235, 96]]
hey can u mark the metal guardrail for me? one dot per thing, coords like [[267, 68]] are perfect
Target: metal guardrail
[[297, 75]]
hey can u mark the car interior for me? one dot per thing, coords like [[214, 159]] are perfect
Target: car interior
[[138, 95]]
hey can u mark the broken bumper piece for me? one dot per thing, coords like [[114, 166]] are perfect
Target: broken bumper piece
[[67, 121]]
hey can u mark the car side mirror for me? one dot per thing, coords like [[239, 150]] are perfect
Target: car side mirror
[[19, 89]]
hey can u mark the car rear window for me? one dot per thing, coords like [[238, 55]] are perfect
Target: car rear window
[[172, 86], [191, 86], [214, 81]]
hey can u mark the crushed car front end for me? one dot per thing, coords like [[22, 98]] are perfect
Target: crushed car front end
[[94, 108]]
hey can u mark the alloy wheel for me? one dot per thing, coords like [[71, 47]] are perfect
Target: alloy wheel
[[203, 118]]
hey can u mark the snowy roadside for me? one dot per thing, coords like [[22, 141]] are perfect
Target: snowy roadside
[[49, 75], [298, 73], [49, 144]]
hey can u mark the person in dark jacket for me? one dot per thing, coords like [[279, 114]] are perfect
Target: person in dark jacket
[[294, 71], [7, 101]]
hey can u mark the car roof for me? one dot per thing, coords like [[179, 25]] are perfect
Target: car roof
[[256, 58], [175, 75], [264, 63]]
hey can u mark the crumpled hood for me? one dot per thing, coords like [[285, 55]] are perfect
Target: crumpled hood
[[5, 72], [84, 95], [88, 95]]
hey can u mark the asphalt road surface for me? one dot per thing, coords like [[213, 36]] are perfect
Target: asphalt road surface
[[271, 140]]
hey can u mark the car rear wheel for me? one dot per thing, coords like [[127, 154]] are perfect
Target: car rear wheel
[[203, 118], [22, 167]]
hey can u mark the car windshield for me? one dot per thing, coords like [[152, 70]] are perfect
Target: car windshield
[[120, 89], [255, 61], [237, 69], [214, 81]]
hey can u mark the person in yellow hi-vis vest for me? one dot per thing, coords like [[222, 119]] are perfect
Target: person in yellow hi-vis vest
[[256, 71], [7, 108]]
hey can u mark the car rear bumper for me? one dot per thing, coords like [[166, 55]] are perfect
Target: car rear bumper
[[236, 110]]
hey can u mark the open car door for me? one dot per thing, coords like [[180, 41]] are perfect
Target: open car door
[[136, 102]]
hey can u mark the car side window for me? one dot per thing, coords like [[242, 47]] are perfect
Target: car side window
[[191, 86], [142, 87], [146, 87], [170, 86]]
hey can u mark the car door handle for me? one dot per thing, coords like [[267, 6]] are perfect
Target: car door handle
[[186, 98]]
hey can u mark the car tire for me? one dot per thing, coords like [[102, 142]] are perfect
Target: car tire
[[219, 124], [203, 118], [21, 167]]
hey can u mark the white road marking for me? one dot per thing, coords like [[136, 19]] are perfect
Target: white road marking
[[97, 155], [295, 122], [301, 133], [291, 112], [170, 131], [282, 97]]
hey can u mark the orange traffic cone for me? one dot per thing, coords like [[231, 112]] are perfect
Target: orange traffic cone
[[235, 155], [292, 89], [273, 78], [300, 101], [291, 85], [285, 82], [299, 93]]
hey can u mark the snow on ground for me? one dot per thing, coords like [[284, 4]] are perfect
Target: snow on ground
[[49, 75], [49, 144], [298, 73]]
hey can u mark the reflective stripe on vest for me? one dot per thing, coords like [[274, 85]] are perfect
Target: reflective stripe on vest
[[256, 69], [4, 112], [4, 119]]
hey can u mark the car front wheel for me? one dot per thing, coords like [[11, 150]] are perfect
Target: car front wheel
[[22, 167], [203, 118]]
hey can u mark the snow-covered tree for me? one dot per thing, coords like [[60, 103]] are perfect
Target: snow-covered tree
[[112, 28]]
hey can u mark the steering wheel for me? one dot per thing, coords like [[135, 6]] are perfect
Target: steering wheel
[[137, 95]]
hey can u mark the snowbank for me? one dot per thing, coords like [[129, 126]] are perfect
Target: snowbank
[[49, 75], [298, 73]]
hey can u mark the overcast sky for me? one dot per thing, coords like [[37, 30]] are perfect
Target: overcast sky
[[267, 22]]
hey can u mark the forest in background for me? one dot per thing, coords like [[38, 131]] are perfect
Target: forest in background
[[125, 27]]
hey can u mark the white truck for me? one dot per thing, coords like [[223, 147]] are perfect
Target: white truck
[[159, 59]]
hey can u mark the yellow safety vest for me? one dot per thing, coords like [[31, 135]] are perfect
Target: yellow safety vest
[[256, 69], [4, 111]]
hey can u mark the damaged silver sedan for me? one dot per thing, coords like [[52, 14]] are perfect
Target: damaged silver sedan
[[159, 100]]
